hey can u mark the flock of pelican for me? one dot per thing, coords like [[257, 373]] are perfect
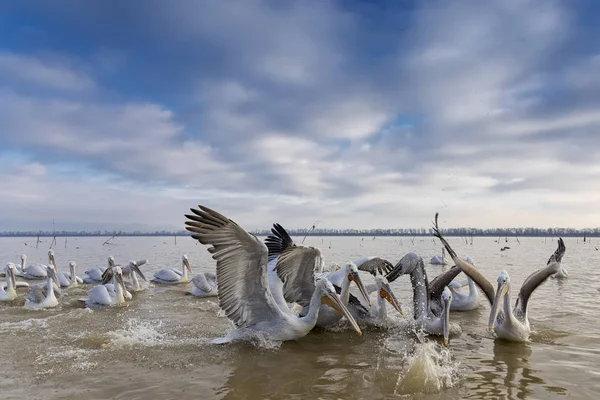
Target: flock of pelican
[[281, 290]]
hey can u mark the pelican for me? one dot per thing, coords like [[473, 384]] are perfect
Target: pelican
[[18, 268], [170, 276], [461, 301], [32, 271], [131, 271], [377, 314], [43, 296], [431, 301], [295, 269], [437, 260], [8, 290], [65, 279], [14, 282], [243, 287], [94, 274], [109, 294], [205, 285], [509, 324]]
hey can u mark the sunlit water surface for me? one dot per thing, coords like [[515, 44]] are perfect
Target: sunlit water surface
[[158, 344]]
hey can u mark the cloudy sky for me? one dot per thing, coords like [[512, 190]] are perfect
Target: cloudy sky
[[123, 114]]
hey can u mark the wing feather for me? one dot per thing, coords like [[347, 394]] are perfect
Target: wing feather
[[243, 288], [374, 265], [297, 267], [467, 268], [538, 277]]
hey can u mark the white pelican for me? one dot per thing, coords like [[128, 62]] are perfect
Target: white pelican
[[462, 301], [42, 295], [109, 294], [204, 285], [170, 276], [32, 271], [295, 268], [437, 260], [509, 324], [377, 314], [16, 284], [94, 274], [8, 290], [131, 271], [65, 278], [431, 301], [243, 288], [18, 268]]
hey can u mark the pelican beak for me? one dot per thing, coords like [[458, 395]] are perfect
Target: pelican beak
[[354, 277], [136, 270], [186, 262], [119, 278], [11, 271], [333, 301], [502, 288], [111, 262], [446, 321], [387, 294], [52, 274]]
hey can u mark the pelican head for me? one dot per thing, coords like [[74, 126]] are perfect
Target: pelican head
[[72, 266], [186, 263], [352, 271], [51, 257], [385, 292], [133, 266], [52, 274], [446, 302], [9, 270], [333, 267], [23, 257], [503, 288], [118, 276], [111, 261], [331, 298]]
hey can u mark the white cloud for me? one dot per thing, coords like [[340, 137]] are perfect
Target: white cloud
[[31, 70]]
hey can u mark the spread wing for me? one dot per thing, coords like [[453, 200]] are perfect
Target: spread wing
[[407, 263], [297, 267], [437, 285], [537, 278], [468, 268], [374, 265], [278, 241], [241, 258]]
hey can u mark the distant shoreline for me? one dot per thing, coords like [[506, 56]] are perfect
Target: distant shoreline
[[296, 234]]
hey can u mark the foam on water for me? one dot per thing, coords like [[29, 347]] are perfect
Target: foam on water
[[255, 338], [32, 323], [429, 369], [138, 333]]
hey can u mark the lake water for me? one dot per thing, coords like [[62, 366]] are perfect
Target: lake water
[[157, 345]]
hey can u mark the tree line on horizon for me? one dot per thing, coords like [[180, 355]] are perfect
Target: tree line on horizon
[[463, 232]]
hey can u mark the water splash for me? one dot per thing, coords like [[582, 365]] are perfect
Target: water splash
[[429, 369], [138, 333], [257, 339]]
